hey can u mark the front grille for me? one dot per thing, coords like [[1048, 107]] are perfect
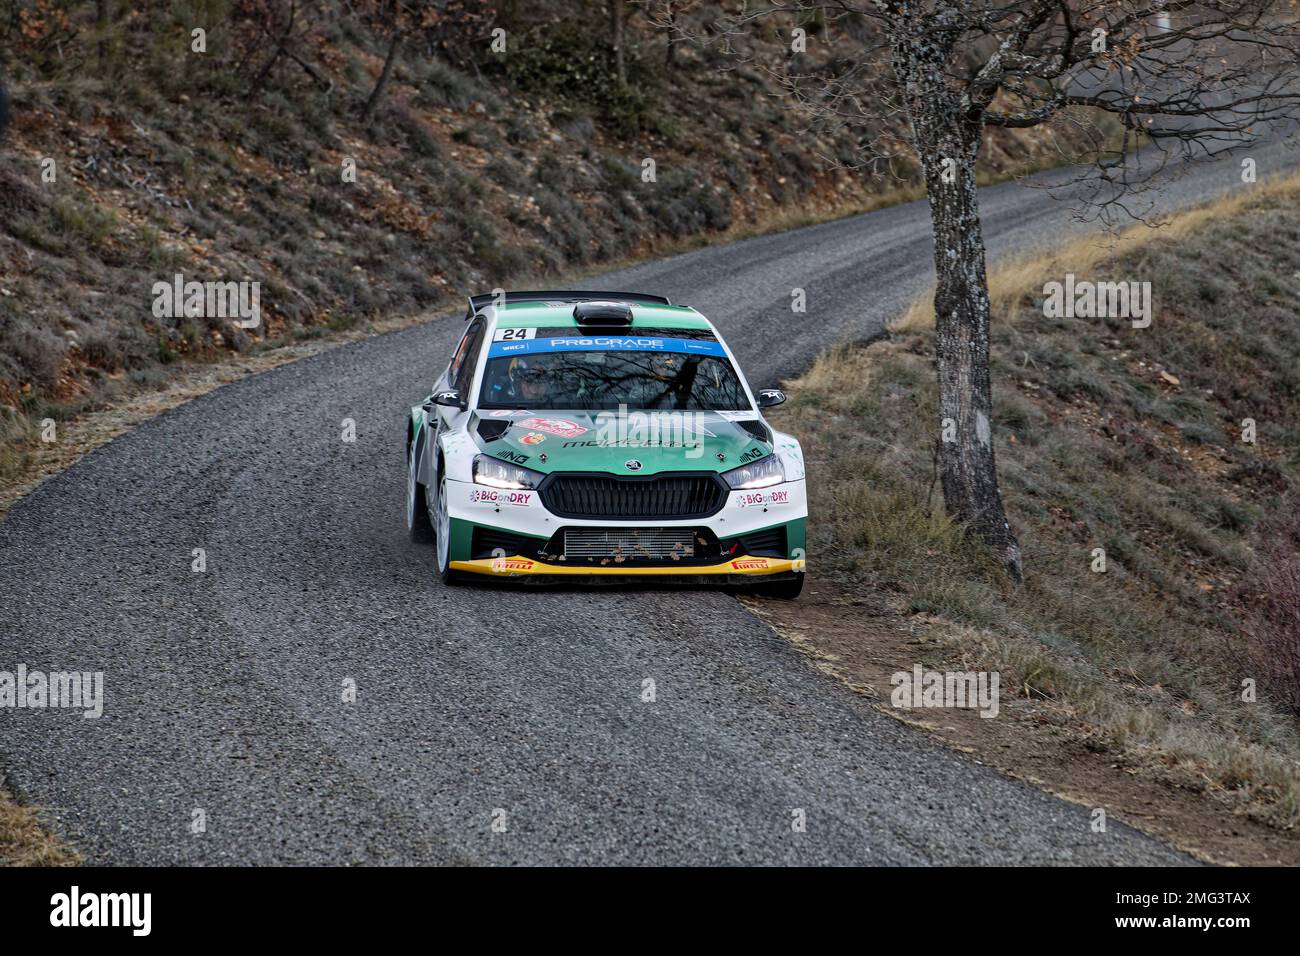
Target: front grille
[[629, 544], [612, 496]]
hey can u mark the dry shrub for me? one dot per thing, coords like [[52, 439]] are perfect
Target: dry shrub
[[1273, 625]]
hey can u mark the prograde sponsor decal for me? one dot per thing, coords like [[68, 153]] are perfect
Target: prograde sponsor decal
[[606, 343], [513, 457], [491, 496], [560, 427]]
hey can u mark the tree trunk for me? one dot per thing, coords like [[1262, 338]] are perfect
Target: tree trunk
[[256, 88], [4, 108], [103, 15], [946, 134], [670, 54], [394, 50], [616, 17]]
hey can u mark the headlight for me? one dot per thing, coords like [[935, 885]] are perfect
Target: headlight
[[496, 473], [757, 474]]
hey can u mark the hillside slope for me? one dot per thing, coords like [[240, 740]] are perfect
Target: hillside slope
[[132, 158], [1174, 449]]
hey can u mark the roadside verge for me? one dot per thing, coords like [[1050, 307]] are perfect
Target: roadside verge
[[1152, 683]]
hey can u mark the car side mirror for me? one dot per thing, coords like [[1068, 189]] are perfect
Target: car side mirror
[[451, 398], [769, 397]]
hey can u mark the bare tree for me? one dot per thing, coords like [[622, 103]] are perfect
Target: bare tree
[[671, 12], [440, 23], [1195, 78], [103, 20], [281, 45], [666, 15], [618, 31], [395, 41]]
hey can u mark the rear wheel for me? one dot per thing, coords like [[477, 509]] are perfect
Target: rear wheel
[[417, 510], [785, 590]]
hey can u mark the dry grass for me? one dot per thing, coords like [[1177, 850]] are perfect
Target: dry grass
[[1107, 437], [22, 840], [1009, 280]]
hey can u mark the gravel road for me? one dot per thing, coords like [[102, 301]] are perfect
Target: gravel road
[[474, 705]]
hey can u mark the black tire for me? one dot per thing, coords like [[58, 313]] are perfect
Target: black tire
[[448, 577], [785, 590], [451, 578], [418, 527]]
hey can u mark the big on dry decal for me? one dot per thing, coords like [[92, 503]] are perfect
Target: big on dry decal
[[491, 496], [746, 499]]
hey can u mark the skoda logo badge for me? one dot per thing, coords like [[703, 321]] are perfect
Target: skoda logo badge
[[632, 465]]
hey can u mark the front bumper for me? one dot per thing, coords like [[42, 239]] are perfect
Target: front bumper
[[513, 534]]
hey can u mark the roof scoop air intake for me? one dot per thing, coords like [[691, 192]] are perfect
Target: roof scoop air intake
[[602, 313]]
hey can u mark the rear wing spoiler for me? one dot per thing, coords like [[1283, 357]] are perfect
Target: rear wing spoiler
[[477, 302]]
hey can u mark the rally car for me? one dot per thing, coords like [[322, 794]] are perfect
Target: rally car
[[602, 435]]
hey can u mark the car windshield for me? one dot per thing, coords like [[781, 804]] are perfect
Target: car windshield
[[600, 379]]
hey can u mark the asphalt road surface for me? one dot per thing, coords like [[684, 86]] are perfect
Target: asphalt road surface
[[481, 705]]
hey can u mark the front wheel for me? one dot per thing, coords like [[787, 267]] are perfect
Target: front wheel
[[784, 590], [441, 521]]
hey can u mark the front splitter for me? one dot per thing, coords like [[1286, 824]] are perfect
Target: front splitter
[[517, 566]]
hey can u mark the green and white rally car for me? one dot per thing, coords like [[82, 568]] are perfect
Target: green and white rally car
[[593, 434]]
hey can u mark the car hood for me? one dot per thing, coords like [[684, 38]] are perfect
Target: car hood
[[606, 442]]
